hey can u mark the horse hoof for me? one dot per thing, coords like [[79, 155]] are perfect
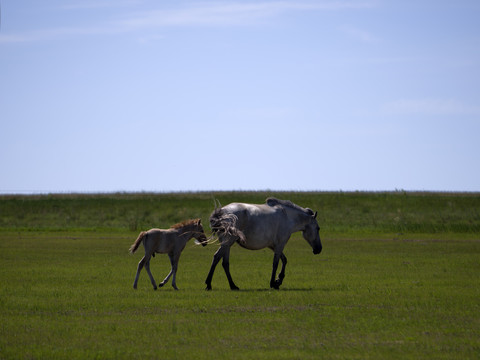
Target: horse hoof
[[208, 288], [160, 285], [235, 288]]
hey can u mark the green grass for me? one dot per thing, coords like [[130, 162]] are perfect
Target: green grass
[[382, 288]]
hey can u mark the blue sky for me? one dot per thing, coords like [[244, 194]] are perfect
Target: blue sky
[[140, 95]]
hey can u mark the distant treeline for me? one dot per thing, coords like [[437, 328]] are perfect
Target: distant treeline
[[364, 213]]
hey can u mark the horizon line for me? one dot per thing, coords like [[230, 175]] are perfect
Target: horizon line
[[5, 193]]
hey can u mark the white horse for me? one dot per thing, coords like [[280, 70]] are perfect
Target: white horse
[[171, 241], [256, 227]]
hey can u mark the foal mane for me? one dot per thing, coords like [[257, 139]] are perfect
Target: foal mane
[[271, 201], [185, 223]]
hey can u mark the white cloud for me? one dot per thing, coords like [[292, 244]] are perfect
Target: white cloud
[[55, 33], [359, 34], [429, 107], [15, 38], [193, 14], [229, 13], [96, 4]]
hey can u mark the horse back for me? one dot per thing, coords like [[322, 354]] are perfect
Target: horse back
[[261, 211], [262, 224]]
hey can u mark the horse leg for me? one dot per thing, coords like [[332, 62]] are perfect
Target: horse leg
[[226, 267], [147, 267], [281, 276], [139, 268], [274, 284], [216, 258]]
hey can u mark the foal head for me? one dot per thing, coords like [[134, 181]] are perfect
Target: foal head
[[310, 232], [198, 232], [194, 229]]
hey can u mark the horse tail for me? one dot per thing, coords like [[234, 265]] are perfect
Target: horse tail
[[137, 242], [226, 224]]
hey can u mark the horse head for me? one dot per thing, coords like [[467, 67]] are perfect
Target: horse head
[[311, 232]]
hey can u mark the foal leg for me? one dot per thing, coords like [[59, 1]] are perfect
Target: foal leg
[[139, 268], [169, 274], [174, 279], [166, 279], [174, 261], [147, 267]]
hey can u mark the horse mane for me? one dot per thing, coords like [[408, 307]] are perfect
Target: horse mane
[[271, 201], [185, 223], [225, 223]]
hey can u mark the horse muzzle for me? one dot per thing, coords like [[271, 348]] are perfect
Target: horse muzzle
[[317, 250]]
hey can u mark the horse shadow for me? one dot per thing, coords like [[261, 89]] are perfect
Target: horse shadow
[[274, 290]]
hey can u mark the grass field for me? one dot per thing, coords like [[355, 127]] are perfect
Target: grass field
[[398, 278]]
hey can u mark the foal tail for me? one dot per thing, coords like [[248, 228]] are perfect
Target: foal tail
[[137, 242], [226, 224]]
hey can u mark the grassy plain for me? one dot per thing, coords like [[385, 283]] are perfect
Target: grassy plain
[[398, 278]]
